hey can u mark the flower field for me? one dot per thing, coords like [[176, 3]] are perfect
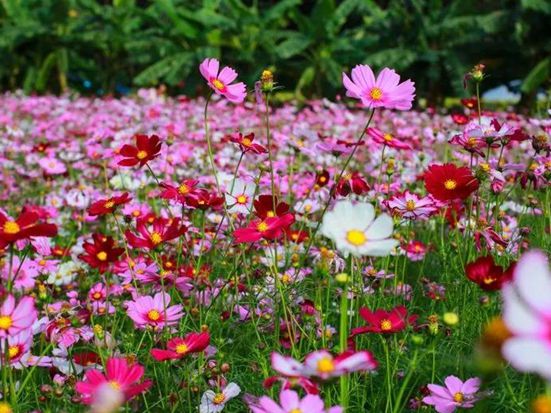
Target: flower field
[[228, 254]]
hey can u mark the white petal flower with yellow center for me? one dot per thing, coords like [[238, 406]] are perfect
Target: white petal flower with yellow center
[[355, 230]]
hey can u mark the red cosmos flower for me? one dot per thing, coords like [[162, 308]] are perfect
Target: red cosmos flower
[[386, 139], [469, 103], [203, 199], [384, 322], [351, 183], [296, 235], [109, 205], [268, 228], [154, 232], [488, 275], [101, 252], [264, 207], [25, 226], [181, 347], [246, 143], [147, 148], [447, 182], [460, 118], [322, 179], [181, 193]]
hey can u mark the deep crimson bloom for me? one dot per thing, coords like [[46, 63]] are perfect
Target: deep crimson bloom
[[322, 179], [101, 253], [469, 103], [268, 228], [246, 143], [181, 347], [203, 199], [386, 139], [109, 205], [448, 182], [460, 118], [119, 375], [296, 235], [384, 322], [182, 193], [264, 207], [488, 275], [154, 232], [353, 182], [147, 148], [25, 226]]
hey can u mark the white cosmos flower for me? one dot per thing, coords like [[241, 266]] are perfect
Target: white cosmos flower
[[212, 402], [354, 230], [240, 198]]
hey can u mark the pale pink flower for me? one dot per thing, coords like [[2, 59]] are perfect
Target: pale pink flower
[[14, 319], [221, 81], [290, 402], [154, 311], [455, 394]]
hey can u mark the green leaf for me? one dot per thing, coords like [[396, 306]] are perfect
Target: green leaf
[[539, 74], [292, 46]]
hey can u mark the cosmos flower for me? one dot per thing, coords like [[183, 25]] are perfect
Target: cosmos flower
[[147, 148], [448, 182], [221, 82], [101, 252], [154, 233], [120, 376], [240, 197], [411, 206], [153, 312], [246, 143], [269, 228], [16, 318], [352, 182], [354, 229], [489, 276], [178, 348], [180, 193], [290, 402], [109, 205], [384, 322], [25, 226], [386, 91], [387, 139], [455, 393], [212, 402]]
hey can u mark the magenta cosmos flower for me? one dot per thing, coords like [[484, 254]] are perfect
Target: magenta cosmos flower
[[289, 402], [14, 319], [221, 81], [455, 394], [120, 376], [384, 92], [153, 312], [527, 315]]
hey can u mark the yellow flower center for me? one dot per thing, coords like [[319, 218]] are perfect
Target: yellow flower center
[[11, 227], [42, 263], [13, 351], [5, 322], [286, 279], [450, 184], [96, 296], [296, 410], [109, 204], [458, 397], [241, 199], [262, 227], [356, 237], [218, 84], [141, 155], [102, 256], [485, 167], [153, 315], [183, 189], [386, 325], [5, 408], [325, 365], [270, 214], [156, 238], [388, 137], [246, 142], [410, 205], [219, 398], [182, 348], [115, 385], [376, 93]]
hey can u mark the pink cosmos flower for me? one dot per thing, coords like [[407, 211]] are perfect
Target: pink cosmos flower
[[221, 82], [411, 206], [289, 402], [120, 376], [387, 139], [455, 394], [178, 348], [14, 319], [323, 364], [52, 166], [386, 91], [527, 315], [154, 311], [18, 346]]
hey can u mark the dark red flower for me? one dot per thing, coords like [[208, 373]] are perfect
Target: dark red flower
[[447, 182], [269, 228], [322, 179], [101, 252], [469, 103], [460, 118], [264, 207], [488, 275], [154, 232], [181, 193], [147, 148], [384, 322], [178, 348], [203, 199], [352, 183], [246, 143], [25, 226], [109, 205]]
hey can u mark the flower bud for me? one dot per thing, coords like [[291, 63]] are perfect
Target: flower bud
[[267, 81]]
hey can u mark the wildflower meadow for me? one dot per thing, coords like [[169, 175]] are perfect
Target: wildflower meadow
[[229, 252]]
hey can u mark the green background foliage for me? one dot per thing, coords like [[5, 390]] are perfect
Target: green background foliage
[[116, 46]]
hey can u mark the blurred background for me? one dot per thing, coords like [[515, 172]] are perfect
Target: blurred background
[[114, 47]]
